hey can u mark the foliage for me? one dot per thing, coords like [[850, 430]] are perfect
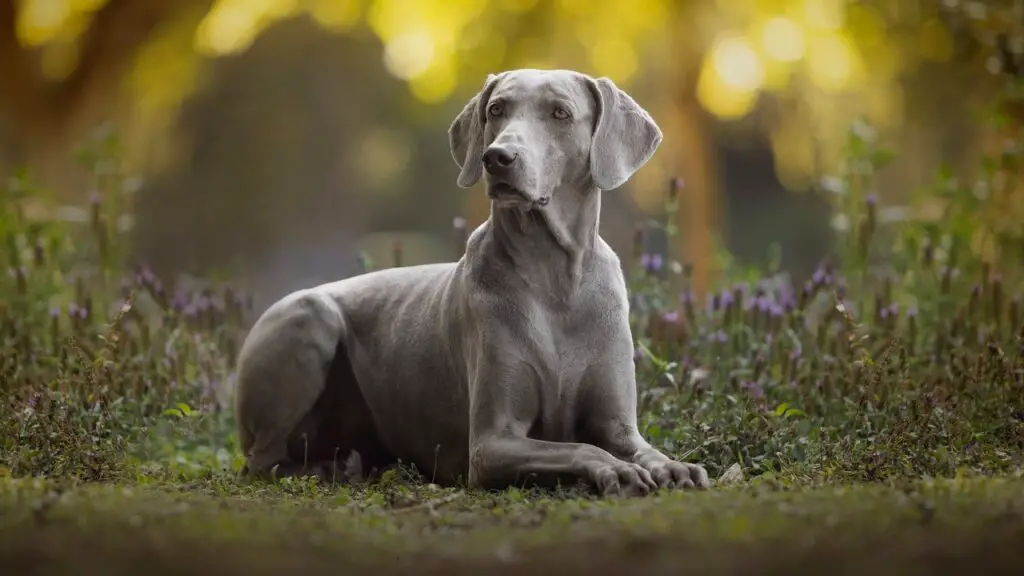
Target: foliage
[[886, 364]]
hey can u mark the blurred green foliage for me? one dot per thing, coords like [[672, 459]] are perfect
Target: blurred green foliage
[[904, 357]]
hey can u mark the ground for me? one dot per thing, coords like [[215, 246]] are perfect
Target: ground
[[220, 526]]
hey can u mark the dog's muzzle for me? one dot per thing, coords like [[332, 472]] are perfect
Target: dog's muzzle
[[505, 191]]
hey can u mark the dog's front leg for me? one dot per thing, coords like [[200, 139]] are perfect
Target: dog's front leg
[[610, 414], [504, 404], [498, 461]]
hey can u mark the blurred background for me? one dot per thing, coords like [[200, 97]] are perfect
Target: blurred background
[[273, 141]]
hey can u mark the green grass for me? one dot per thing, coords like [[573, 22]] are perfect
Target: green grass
[[876, 411], [920, 527]]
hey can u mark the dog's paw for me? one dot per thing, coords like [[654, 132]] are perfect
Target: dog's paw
[[624, 479], [680, 475]]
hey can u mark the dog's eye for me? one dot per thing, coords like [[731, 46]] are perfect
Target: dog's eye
[[495, 110], [561, 114]]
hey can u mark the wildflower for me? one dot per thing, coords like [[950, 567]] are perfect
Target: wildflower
[[675, 186], [763, 304], [818, 277], [753, 388], [714, 301], [726, 298], [651, 262], [178, 303], [672, 316]]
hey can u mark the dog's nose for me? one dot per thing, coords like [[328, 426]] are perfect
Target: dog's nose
[[497, 159]]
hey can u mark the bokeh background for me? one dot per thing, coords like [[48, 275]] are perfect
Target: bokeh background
[[273, 141]]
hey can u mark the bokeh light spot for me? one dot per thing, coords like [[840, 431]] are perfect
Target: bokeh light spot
[[409, 54], [783, 40]]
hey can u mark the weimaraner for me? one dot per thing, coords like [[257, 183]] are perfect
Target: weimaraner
[[513, 365]]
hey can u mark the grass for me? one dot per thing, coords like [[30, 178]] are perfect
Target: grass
[[921, 527], [875, 411]]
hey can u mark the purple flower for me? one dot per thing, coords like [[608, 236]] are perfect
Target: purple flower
[[686, 297], [54, 312], [775, 310], [753, 388], [203, 303], [721, 336], [763, 303], [788, 302], [819, 276], [95, 198], [871, 199], [726, 298], [178, 303], [190, 310], [894, 309], [672, 316], [912, 312], [651, 262], [72, 310]]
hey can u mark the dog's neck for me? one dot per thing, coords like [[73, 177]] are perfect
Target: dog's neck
[[549, 247]]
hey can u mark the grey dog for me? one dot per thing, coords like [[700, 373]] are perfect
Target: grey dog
[[513, 365]]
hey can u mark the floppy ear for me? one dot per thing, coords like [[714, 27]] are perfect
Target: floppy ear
[[625, 137], [466, 135]]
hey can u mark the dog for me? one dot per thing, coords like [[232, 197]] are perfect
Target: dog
[[513, 365]]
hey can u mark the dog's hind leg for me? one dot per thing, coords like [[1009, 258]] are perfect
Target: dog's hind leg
[[282, 375]]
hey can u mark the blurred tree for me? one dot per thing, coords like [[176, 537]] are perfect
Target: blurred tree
[[61, 64], [793, 73]]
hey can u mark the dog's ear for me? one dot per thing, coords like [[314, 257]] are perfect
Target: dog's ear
[[466, 135], [625, 137]]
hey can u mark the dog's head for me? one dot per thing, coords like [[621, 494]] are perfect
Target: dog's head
[[531, 131]]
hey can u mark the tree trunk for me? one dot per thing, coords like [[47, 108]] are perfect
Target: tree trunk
[[45, 119]]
